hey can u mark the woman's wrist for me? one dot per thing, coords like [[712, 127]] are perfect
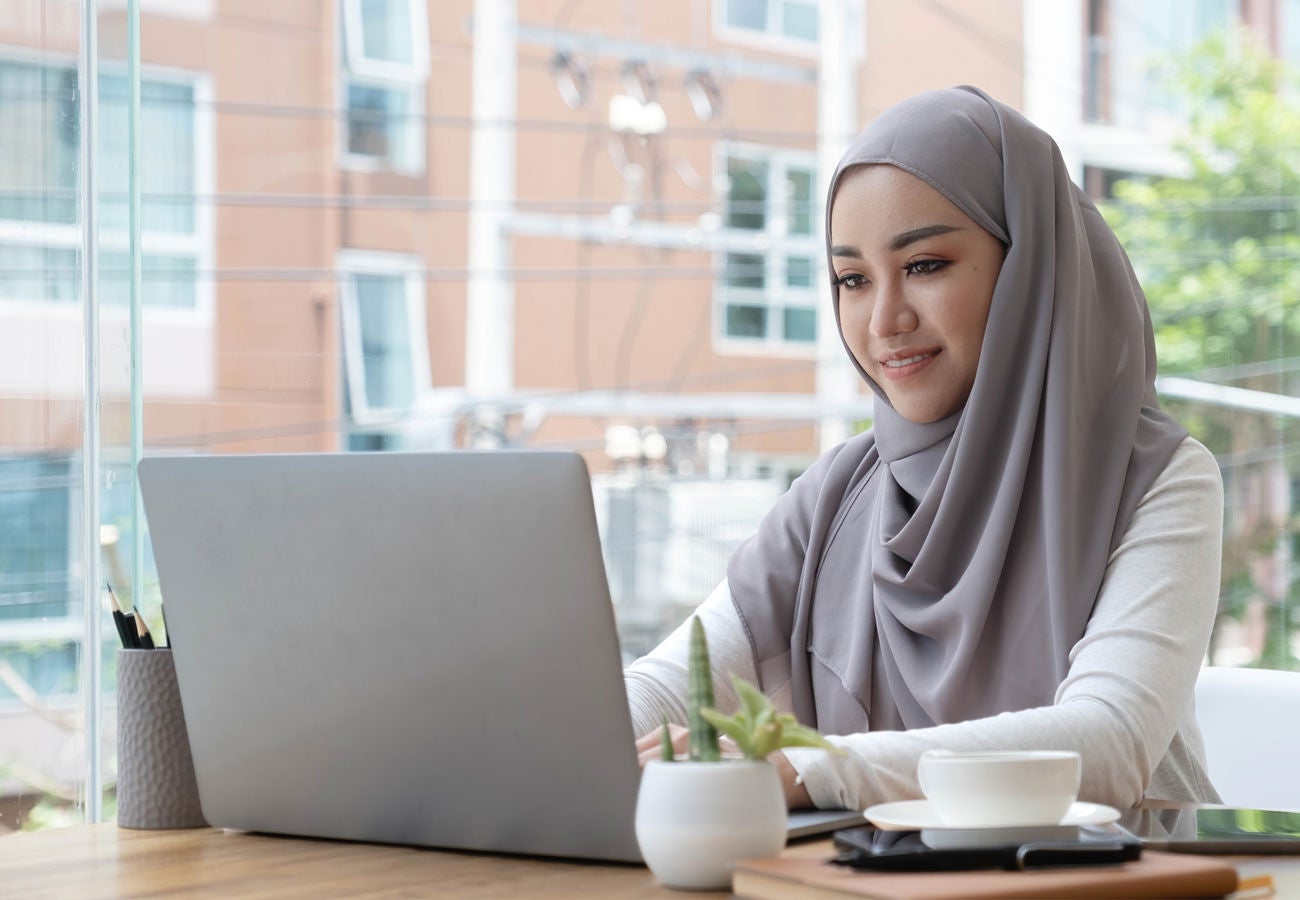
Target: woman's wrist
[[796, 795]]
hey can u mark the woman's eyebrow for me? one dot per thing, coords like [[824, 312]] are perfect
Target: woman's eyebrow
[[917, 234]]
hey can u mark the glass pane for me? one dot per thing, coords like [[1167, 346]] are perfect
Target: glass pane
[[38, 143], [748, 14], [47, 640], [386, 29], [165, 281], [1140, 43], [34, 274], [1291, 33], [798, 272], [746, 270], [800, 21], [799, 188], [800, 324], [167, 151], [746, 194], [385, 341], [35, 537], [746, 321], [378, 123]]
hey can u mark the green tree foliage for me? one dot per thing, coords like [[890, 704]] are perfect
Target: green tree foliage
[[1217, 251]]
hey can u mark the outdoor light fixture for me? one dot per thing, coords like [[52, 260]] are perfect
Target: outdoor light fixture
[[639, 81], [572, 78], [705, 94], [628, 115]]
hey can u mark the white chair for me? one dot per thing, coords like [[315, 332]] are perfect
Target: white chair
[[1250, 719]]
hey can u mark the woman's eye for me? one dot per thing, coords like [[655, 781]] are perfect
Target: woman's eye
[[851, 282], [925, 266]]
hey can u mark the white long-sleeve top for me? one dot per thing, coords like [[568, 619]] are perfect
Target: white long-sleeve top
[[1125, 704]]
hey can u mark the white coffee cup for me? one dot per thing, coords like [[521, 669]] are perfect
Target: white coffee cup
[[1000, 789]]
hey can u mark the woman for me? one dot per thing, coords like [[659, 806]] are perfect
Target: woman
[[1023, 552]]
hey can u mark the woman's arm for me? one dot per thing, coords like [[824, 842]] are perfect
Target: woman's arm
[[656, 683], [1131, 676]]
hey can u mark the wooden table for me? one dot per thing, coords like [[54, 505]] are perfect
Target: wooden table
[[103, 861]]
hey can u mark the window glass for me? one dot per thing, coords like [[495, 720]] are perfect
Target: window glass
[[1291, 33], [385, 341], [799, 188], [380, 122], [747, 194], [386, 31], [750, 15], [44, 268], [1142, 36], [800, 324], [796, 20], [38, 143], [385, 69], [746, 321], [165, 281], [746, 270], [798, 271], [800, 21], [167, 168], [782, 281], [35, 537], [34, 274]]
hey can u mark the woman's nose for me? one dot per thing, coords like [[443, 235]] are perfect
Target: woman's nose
[[891, 314]]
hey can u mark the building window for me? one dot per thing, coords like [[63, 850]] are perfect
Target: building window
[[794, 23], [38, 188], [385, 345], [1290, 38], [36, 535], [385, 71], [767, 296], [1126, 85]]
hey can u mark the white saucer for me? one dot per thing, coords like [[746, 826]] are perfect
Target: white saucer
[[913, 815]]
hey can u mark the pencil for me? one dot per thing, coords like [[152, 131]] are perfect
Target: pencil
[[131, 632], [119, 620], [146, 639]]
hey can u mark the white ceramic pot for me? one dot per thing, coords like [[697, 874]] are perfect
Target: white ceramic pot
[[695, 819]]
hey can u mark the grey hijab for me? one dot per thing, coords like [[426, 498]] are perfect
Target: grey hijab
[[924, 574]]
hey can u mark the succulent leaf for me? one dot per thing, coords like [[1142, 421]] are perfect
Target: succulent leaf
[[752, 700], [699, 694], [799, 736], [666, 751], [733, 728]]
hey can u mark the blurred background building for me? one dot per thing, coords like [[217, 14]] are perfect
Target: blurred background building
[[404, 225]]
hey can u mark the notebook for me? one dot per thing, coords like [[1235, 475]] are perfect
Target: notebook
[[410, 648], [804, 874]]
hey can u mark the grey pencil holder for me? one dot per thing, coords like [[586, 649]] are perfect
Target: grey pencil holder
[[155, 772]]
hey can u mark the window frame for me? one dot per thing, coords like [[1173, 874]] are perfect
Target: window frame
[[348, 264], [777, 246], [769, 38], [411, 79], [1125, 103], [197, 245], [355, 61]]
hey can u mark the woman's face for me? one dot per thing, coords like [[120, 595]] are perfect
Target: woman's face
[[915, 278]]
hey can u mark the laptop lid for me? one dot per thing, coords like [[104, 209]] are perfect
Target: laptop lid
[[401, 647]]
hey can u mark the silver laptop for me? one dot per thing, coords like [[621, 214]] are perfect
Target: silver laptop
[[401, 647]]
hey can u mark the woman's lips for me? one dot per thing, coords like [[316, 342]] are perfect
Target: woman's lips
[[904, 367]]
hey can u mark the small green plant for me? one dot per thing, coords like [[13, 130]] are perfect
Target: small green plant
[[699, 697], [757, 728]]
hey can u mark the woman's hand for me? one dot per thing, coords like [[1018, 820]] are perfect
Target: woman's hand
[[651, 747]]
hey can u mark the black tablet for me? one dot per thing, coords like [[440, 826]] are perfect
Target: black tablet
[[1215, 829]]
